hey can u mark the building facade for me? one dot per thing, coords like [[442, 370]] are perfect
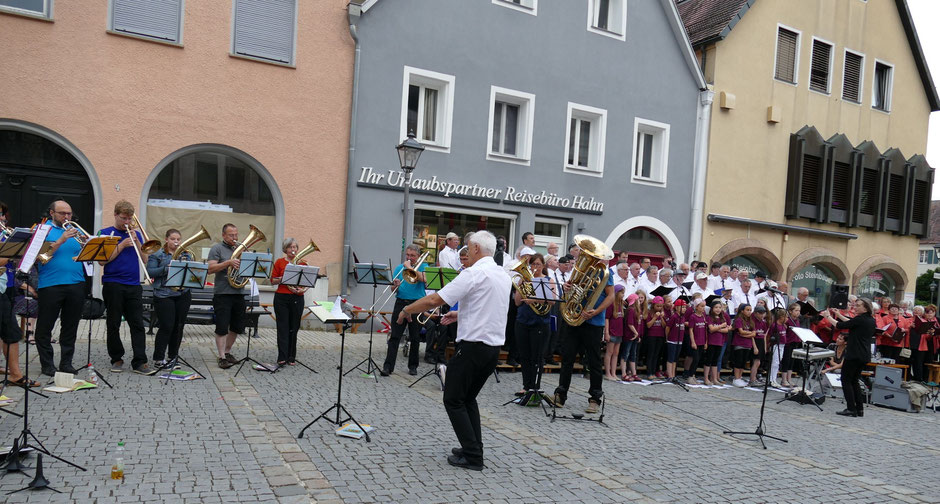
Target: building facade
[[815, 172], [186, 109], [556, 118]]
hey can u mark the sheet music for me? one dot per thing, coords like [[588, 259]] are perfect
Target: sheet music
[[543, 290], [805, 335], [29, 258], [337, 311]]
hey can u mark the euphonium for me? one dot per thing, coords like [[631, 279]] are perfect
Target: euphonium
[[254, 236], [588, 278], [310, 248], [410, 275], [183, 248], [523, 283]]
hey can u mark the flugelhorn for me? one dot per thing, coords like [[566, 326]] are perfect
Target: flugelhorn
[[588, 278], [254, 236], [82, 238]]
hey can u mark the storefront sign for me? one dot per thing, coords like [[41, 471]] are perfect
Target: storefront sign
[[508, 194], [813, 275]]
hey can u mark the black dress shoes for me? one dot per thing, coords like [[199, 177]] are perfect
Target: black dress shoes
[[462, 462], [860, 413], [385, 372], [457, 451], [413, 371], [846, 412]]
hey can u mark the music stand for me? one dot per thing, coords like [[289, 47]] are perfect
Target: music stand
[[298, 275], [329, 317], [371, 274], [435, 279], [255, 265], [807, 337], [97, 249]]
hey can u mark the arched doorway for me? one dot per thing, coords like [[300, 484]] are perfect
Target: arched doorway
[[879, 275], [752, 254], [38, 166], [645, 236], [210, 185]]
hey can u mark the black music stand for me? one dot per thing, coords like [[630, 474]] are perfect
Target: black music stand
[[297, 275], [760, 432], [330, 318], [96, 249], [435, 278], [577, 416], [184, 275], [370, 274], [807, 337], [254, 265]]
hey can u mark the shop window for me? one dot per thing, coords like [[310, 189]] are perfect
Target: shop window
[[427, 107], [820, 66], [161, 21], [608, 17], [265, 30], [587, 132], [877, 283], [882, 86], [431, 225], [749, 264], [32, 8], [511, 120], [817, 279], [650, 152], [852, 71], [788, 54], [550, 231], [527, 6]]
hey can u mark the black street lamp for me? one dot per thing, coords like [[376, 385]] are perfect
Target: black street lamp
[[408, 153]]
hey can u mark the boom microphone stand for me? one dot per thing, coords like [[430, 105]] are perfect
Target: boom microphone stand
[[760, 432], [372, 277]]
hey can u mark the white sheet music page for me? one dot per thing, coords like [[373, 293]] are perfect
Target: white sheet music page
[[39, 237]]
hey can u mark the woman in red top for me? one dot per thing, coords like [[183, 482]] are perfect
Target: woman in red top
[[924, 329], [288, 306], [892, 339], [718, 328]]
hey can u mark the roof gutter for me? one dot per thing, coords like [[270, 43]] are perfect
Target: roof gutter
[[353, 12]]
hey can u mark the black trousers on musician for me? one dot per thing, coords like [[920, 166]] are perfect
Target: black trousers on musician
[[530, 340], [63, 302], [586, 340], [851, 390], [127, 301], [398, 330], [467, 372], [288, 308], [171, 315]]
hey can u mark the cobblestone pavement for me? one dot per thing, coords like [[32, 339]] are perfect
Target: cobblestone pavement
[[234, 439]]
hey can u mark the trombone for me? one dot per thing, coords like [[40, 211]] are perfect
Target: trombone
[[383, 299], [148, 247]]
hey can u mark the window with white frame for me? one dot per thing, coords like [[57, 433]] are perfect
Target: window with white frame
[[788, 55], [527, 6], [587, 132], [820, 66], [650, 151], [265, 30], [34, 8], [852, 72], [511, 120], [882, 86], [161, 21], [427, 107], [549, 230], [608, 17], [923, 257]]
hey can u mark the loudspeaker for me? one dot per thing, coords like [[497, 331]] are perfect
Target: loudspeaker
[[839, 296]]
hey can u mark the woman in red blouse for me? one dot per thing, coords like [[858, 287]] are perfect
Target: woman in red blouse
[[288, 306]]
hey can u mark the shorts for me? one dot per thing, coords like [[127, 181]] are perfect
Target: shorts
[[712, 354], [616, 339], [229, 313], [740, 355], [9, 332], [761, 353], [672, 351]]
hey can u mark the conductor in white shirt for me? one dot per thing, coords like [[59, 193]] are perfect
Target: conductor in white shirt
[[483, 293], [449, 258]]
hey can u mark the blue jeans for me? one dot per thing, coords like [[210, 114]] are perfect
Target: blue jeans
[[721, 355], [628, 350]]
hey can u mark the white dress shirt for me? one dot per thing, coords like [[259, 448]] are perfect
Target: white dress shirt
[[448, 258], [705, 292], [781, 301], [714, 282], [483, 293], [646, 284], [740, 297]]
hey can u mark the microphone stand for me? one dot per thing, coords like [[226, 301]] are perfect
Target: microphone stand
[[760, 432]]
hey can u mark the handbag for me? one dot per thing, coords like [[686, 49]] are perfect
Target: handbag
[[26, 307], [905, 353], [93, 309]]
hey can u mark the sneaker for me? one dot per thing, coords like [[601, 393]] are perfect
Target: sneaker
[[738, 382], [592, 406], [224, 363], [755, 383], [384, 372], [659, 374], [556, 401], [145, 370], [774, 384], [231, 358], [413, 371], [159, 363], [117, 367]]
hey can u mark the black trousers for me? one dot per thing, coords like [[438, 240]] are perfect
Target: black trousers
[[696, 354], [586, 339], [398, 330], [511, 345], [654, 348], [171, 314], [67, 300], [851, 372], [530, 340], [917, 364], [288, 308], [467, 372], [125, 300]]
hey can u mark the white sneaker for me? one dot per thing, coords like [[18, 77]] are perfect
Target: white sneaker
[[738, 382], [775, 384]]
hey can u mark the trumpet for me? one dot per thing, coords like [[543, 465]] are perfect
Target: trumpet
[[82, 238], [5, 232]]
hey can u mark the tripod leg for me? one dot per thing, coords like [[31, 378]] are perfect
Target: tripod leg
[[343, 408], [306, 366]]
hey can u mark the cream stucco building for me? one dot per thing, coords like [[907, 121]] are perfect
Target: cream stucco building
[[819, 123]]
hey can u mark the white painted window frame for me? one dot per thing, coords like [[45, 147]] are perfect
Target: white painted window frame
[[889, 94], [544, 240], [444, 83], [598, 145], [592, 9], [832, 52], [660, 160], [796, 59], [526, 123], [45, 15], [532, 8], [861, 76]]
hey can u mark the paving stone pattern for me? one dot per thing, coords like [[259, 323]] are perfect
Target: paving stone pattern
[[234, 439]]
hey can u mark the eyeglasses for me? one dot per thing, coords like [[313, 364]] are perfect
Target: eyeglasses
[[62, 213]]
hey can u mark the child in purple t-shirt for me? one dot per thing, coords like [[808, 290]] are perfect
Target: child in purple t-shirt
[[743, 346], [675, 332], [718, 328], [698, 334]]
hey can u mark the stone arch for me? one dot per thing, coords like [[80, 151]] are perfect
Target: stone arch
[[819, 255], [886, 264], [660, 227], [753, 248]]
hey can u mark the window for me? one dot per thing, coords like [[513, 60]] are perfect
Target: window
[[821, 66], [547, 231], [34, 8], [511, 121], [152, 20], [527, 6], [852, 77], [587, 132], [881, 86], [608, 17], [788, 54], [926, 257], [265, 30], [650, 151], [427, 107]]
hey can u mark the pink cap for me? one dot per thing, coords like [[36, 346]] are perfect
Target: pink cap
[[632, 299], [658, 300]]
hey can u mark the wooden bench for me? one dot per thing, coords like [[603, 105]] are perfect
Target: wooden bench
[[201, 311], [357, 313]]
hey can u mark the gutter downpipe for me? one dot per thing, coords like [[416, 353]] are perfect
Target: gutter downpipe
[[354, 11], [702, 131]]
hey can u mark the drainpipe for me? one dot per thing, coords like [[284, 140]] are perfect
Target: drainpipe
[[702, 128], [353, 12]]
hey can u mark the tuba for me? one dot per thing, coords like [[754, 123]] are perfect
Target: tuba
[[523, 284], [254, 236], [183, 249], [310, 248], [588, 278]]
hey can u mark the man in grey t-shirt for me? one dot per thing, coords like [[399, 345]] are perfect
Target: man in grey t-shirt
[[228, 303]]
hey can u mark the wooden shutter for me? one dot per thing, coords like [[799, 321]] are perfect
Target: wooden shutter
[[786, 55], [895, 198], [852, 77], [265, 29], [158, 19], [819, 69], [869, 198], [841, 186]]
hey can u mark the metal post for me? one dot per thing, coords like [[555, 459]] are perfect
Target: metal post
[[404, 216]]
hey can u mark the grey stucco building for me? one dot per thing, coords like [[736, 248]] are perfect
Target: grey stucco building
[[556, 117]]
